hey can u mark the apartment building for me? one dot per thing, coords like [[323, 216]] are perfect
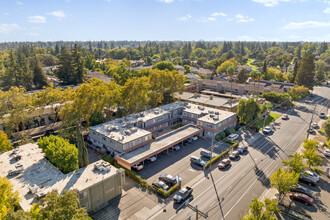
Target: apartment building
[[95, 184], [130, 133]]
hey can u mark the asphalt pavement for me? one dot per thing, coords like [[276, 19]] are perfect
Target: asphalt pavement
[[226, 194]]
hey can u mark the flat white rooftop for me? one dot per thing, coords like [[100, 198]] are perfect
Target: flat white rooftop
[[41, 174], [162, 143]]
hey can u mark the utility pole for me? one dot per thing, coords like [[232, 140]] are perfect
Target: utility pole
[[310, 123], [198, 212]]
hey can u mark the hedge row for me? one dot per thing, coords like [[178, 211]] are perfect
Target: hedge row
[[220, 156], [142, 182], [166, 194]]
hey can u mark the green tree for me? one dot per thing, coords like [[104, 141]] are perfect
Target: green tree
[[78, 65], [295, 163], [164, 65], [242, 76], [60, 153], [295, 72], [258, 78], [186, 69], [11, 75], [310, 153], [230, 72], [82, 150], [65, 71], [9, 200], [97, 117], [202, 61], [39, 76], [284, 180], [224, 66], [298, 92], [306, 71], [320, 74], [54, 206], [253, 75], [247, 110], [262, 211], [326, 127], [90, 62], [5, 144]]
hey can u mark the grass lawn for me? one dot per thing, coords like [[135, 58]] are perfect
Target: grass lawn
[[249, 63], [271, 118]]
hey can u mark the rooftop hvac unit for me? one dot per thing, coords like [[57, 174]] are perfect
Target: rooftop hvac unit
[[140, 120], [211, 116], [156, 112], [216, 118], [217, 113], [211, 111], [133, 129]]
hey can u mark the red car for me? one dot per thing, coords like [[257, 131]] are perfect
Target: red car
[[224, 163], [301, 198], [285, 117]]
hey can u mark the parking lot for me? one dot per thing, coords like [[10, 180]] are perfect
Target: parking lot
[[178, 162]]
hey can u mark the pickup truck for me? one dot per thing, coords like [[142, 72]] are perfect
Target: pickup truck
[[183, 194]]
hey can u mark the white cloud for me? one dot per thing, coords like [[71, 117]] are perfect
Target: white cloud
[[211, 19], [216, 14], [306, 24], [244, 38], [327, 10], [20, 3], [59, 14], [166, 1], [185, 18], [37, 19], [243, 19], [8, 28], [270, 3]]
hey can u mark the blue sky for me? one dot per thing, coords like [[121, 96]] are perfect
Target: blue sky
[[258, 20]]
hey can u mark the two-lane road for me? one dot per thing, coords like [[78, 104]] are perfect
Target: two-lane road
[[235, 187]]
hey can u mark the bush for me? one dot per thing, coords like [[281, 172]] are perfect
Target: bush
[[229, 131], [217, 158], [299, 92], [220, 136], [229, 141], [60, 153], [166, 194]]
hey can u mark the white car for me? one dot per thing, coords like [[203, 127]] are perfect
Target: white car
[[314, 125], [138, 166], [310, 175], [327, 152], [152, 159], [176, 147], [232, 137], [195, 138], [267, 130]]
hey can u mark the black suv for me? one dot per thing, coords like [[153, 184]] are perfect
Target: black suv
[[168, 179]]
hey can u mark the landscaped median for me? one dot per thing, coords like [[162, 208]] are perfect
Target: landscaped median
[[142, 182], [223, 154]]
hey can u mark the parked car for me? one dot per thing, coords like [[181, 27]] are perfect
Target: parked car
[[160, 184], [234, 155], [242, 149], [310, 175], [168, 179], [301, 198], [322, 115], [176, 147], [190, 140], [310, 130], [198, 161], [307, 181], [224, 163], [303, 190], [152, 159], [183, 194], [314, 125], [138, 166], [207, 154], [327, 152], [267, 130], [195, 138], [232, 137], [285, 117]]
